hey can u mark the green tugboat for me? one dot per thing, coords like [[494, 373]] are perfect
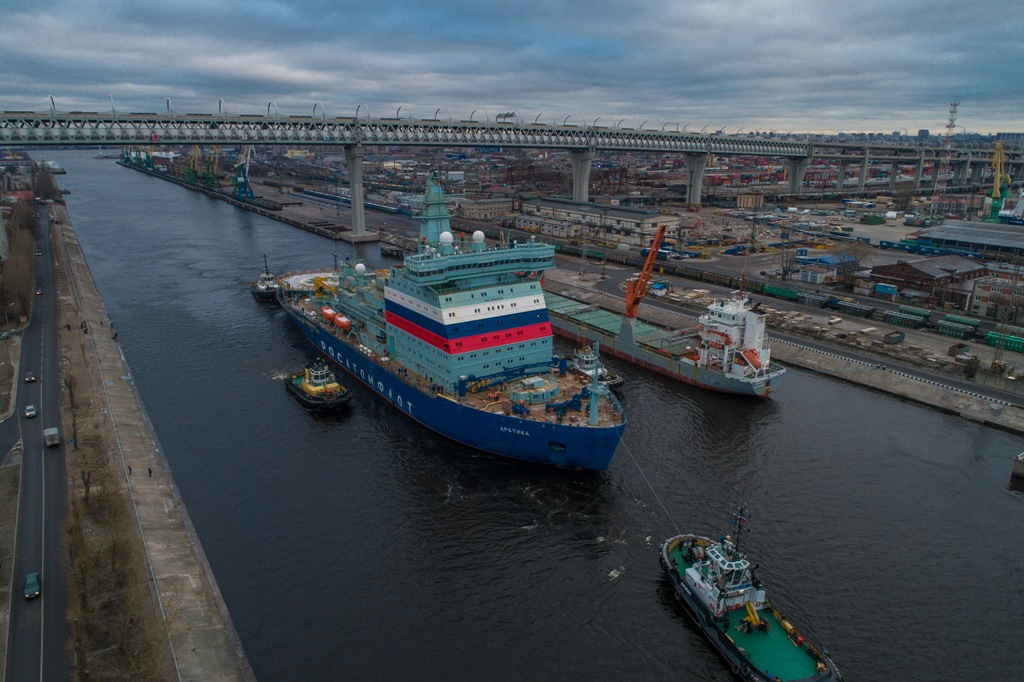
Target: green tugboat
[[316, 388], [716, 584]]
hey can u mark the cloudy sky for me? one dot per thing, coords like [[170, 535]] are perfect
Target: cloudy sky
[[737, 65]]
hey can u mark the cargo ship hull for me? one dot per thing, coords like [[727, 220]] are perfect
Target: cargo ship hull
[[676, 368], [575, 447]]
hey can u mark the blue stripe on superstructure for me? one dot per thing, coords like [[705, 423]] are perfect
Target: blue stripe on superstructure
[[472, 327]]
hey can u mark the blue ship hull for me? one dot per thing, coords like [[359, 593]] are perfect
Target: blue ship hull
[[571, 446]]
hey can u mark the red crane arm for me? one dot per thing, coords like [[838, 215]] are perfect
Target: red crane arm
[[636, 286]]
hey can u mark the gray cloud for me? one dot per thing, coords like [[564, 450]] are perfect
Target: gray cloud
[[750, 64]]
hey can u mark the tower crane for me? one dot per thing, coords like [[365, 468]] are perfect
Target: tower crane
[[939, 198], [636, 286]]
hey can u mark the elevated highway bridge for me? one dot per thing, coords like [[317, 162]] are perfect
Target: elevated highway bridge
[[53, 128]]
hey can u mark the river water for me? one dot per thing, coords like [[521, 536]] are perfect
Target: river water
[[362, 546]]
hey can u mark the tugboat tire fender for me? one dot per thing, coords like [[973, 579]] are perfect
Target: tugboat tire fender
[[735, 668], [757, 604]]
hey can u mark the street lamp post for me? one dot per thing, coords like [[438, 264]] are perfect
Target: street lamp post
[[6, 320]]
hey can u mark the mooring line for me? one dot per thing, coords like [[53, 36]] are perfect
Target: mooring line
[[650, 487]]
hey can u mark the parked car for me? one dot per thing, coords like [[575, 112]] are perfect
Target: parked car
[[33, 586], [29, 377], [30, 411]]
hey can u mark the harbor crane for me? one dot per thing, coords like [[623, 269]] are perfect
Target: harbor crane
[[636, 286], [1000, 182], [243, 190]]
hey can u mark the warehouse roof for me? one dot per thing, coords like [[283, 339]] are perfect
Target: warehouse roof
[[967, 232]]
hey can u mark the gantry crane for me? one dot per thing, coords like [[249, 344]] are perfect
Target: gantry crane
[[636, 286]]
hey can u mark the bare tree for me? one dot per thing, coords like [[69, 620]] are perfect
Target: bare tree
[[851, 258], [787, 261]]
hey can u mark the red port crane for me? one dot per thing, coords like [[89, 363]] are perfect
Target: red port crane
[[636, 286]]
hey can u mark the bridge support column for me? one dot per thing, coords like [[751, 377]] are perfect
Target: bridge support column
[[864, 164], [695, 165], [796, 168], [959, 173], [581, 159], [894, 174], [840, 176], [977, 171], [918, 172], [354, 158]]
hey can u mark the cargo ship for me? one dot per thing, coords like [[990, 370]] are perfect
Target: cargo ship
[[721, 592], [458, 339], [728, 353]]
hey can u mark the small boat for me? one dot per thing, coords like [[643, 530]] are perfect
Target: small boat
[[719, 589], [586, 361], [267, 286], [316, 388]]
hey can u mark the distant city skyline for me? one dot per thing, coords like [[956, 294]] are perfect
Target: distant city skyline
[[784, 66]]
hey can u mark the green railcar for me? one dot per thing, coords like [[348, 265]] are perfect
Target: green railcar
[[1011, 343], [902, 319], [969, 321], [919, 312], [954, 329], [780, 292]]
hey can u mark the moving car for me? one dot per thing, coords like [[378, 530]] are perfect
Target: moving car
[[39, 292], [29, 377], [33, 586], [30, 411]]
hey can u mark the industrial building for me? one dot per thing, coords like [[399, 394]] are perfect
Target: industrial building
[[994, 241], [941, 281], [596, 223]]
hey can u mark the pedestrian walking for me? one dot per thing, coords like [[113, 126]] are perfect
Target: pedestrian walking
[[129, 469], [151, 472]]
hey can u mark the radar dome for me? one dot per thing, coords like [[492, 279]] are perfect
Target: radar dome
[[360, 269], [446, 238], [478, 237]]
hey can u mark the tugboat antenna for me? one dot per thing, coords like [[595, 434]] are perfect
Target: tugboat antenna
[[739, 519]]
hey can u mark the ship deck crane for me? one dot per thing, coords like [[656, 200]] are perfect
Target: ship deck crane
[[636, 286]]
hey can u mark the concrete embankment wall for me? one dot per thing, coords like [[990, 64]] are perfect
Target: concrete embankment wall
[[202, 637]]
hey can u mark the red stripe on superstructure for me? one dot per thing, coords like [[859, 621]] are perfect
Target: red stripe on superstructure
[[467, 344], [473, 342], [417, 331]]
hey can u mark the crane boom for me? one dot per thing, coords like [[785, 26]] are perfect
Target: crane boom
[[636, 286]]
